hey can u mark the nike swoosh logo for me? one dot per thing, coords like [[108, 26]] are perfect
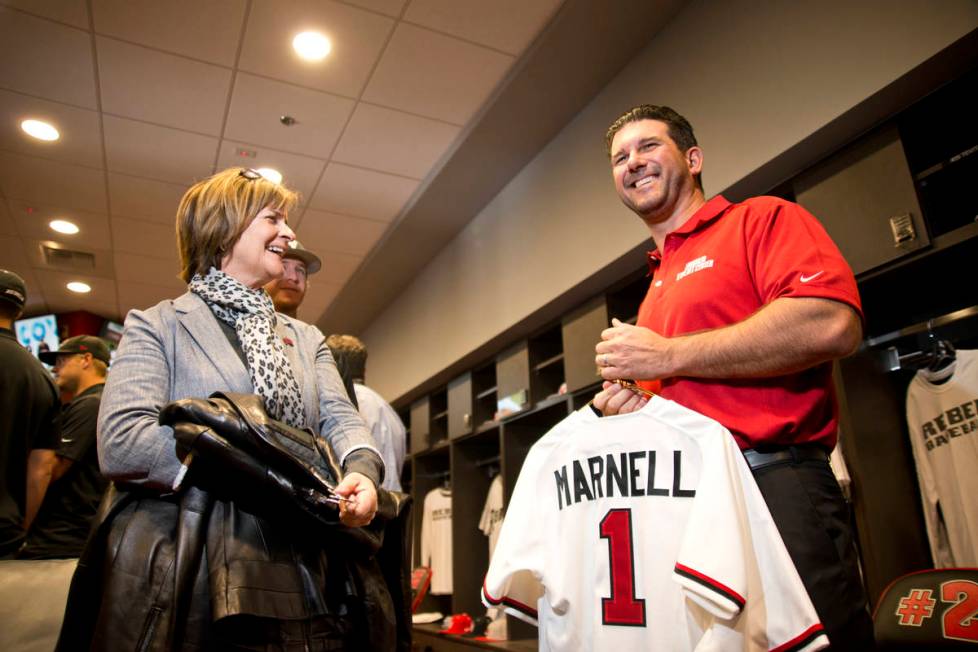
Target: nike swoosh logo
[[806, 279]]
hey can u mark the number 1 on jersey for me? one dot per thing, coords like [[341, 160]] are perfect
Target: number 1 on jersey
[[622, 608]]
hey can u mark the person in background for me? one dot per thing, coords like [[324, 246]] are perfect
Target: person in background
[[28, 412], [289, 291], [62, 524], [387, 428], [749, 304]]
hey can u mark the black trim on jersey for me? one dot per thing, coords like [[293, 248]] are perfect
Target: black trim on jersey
[[711, 584], [611, 573], [509, 602]]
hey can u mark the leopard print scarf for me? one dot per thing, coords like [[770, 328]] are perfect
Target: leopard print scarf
[[252, 315]]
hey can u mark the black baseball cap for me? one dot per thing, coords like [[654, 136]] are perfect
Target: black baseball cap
[[12, 288], [297, 251], [79, 344]]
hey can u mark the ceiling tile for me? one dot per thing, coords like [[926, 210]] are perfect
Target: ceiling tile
[[163, 88], [144, 199], [134, 268], [258, 103], [508, 25], [13, 255], [144, 238], [51, 182], [392, 141], [46, 59], [299, 173], [140, 296], [203, 30], [388, 7], [73, 12], [103, 263], [7, 228], [32, 222], [337, 267], [53, 285], [357, 37], [157, 152], [81, 134], [435, 75], [323, 233], [362, 193]]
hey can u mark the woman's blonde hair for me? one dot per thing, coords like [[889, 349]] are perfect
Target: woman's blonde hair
[[216, 211]]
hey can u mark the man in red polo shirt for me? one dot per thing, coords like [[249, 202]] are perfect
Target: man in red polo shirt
[[748, 306]]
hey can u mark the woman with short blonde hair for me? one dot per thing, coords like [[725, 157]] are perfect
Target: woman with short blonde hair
[[264, 578]]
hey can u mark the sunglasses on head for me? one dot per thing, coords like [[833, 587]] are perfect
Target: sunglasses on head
[[250, 174]]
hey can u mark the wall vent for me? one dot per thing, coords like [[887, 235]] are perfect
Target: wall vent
[[67, 258]]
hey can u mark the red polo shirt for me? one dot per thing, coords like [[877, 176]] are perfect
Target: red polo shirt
[[720, 267]]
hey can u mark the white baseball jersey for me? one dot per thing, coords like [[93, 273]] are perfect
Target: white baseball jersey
[[492, 513], [648, 532], [436, 539], [943, 423]]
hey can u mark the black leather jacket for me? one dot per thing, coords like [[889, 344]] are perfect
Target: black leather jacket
[[199, 570]]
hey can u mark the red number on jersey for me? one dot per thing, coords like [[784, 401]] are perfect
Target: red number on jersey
[[622, 608], [961, 620]]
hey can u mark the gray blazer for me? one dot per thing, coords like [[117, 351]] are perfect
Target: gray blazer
[[177, 349]]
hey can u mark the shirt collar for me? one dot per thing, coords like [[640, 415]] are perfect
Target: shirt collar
[[706, 214]]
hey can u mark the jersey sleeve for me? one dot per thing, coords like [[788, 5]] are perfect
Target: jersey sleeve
[[516, 575], [714, 575], [734, 564], [791, 255]]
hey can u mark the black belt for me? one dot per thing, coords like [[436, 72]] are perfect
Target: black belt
[[757, 460]]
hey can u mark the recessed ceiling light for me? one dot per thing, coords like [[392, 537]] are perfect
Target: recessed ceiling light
[[271, 174], [311, 46], [40, 130], [79, 287], [63, 226]]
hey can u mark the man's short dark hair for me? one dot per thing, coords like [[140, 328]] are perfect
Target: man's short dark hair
[[350, 355], [680, 130]]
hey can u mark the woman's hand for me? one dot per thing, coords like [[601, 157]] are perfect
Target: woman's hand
[[362, 493]]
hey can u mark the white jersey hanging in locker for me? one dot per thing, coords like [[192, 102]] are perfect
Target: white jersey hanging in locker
[[647, 532], [943, 422], [436, 539]]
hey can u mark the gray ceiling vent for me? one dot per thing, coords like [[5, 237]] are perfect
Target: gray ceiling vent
[[67, 258]]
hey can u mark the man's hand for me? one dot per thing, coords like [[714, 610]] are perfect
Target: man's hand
[[363, 496], [633, 352], [615, 399]]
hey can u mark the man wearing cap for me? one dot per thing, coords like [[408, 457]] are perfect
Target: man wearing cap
[[62, 524], [288, 291], [28, 413]]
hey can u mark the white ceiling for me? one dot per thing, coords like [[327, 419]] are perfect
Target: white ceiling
[[151, 96]]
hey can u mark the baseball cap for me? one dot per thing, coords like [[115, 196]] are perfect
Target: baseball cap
[[12, 288], [79, 344], [297, 251]]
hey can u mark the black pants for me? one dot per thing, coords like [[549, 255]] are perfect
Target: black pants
[[813, 518]]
